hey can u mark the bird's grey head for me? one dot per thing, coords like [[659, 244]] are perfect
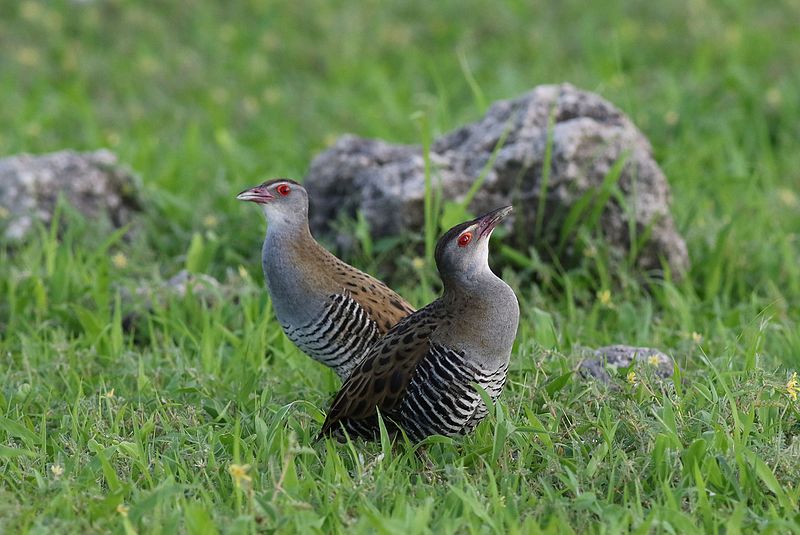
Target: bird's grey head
[[462, 254], [284, 201]]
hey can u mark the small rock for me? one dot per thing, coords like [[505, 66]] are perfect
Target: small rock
[[589, 136], [202, 285], [622, 356], [148, 295], [91, 182]]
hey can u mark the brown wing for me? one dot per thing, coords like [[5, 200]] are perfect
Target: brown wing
[[381, 380], [382, 304]]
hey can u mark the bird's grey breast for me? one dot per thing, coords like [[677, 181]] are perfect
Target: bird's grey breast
[[504, 316], [339, 337], [293, 296], [484, 324]]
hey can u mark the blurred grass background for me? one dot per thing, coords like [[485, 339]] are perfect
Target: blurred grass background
[[205, 98]]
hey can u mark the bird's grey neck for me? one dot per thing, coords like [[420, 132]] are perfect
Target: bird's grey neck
[[487, 316], [285, 253], [284, 231], [472, 286], [485, 297]]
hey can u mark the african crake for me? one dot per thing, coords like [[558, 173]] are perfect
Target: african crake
[[330, 310], [421, 374]]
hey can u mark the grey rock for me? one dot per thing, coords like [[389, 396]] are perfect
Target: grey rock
[[150, 294], [621, 356], [589, 136], [200, 284], [91, 182]]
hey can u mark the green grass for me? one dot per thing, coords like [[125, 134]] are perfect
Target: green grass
[[205, 98]]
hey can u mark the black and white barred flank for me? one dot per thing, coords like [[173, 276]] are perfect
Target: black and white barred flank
[[442, 399], [339, 337]]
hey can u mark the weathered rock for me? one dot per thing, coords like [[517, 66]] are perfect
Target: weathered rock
[[589, 137], [622, 356], [201, 285], [91, 182], [149, 294]]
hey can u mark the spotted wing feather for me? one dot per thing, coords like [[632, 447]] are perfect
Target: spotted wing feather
[[380, 302], [383, 305], [382, 378]]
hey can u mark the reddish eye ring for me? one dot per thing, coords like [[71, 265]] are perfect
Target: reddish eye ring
[[283, 189], [464, 239]]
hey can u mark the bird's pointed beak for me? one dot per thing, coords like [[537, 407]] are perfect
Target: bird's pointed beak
[[258, 194], [488, 222]]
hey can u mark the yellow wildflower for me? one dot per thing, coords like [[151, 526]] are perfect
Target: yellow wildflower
[[793, 386], [31, 10], [270, 41], [123, 509], [604, 296], [697, 337], [272, 95], [418, 263], [653, 360], [399, 35], [120, 261], [251, 105], [617, 80], [788, 197], [732, 35], [57, 470], [219, 95], [112, 138], [239, 474], [227, 33], [774, 97], [109, 394], [148, 65], [28, 56], [671, 118], [33, 129], [631, 377]]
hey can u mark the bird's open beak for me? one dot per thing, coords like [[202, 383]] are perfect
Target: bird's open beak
[[488, 222], [258, 194]]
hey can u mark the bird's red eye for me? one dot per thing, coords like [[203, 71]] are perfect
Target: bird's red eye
[[464, 239], [283, 189]]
